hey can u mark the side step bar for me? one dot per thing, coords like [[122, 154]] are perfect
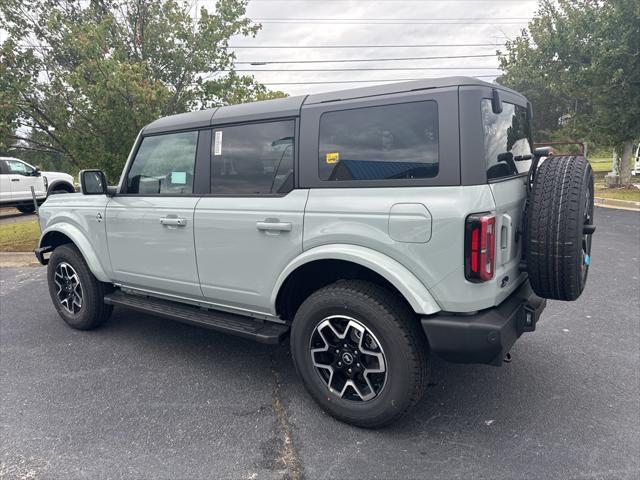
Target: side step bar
[[247, 327]]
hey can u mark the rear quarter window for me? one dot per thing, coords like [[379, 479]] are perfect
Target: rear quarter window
[[507, 140], [384, 142]]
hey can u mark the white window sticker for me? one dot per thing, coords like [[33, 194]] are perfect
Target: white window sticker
[[217, 144]]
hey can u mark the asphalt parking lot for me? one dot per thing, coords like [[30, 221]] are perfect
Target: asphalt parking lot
[[144, 397]]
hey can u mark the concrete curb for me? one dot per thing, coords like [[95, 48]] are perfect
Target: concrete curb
[[614, 203], [18, 259]]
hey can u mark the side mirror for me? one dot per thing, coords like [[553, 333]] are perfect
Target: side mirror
[[496, 103], [36, 171], [93, 182]]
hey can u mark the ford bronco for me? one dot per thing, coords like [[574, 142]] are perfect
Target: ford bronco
[[371, 226]]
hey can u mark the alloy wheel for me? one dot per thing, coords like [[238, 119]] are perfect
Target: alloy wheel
[[69, 288], [348, 358]]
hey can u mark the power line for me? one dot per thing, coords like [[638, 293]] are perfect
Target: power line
[[357, 69], [461, 19], [349, 60], [384, 80], [424, 45], [390, 1], [418, 45], [385, 22]]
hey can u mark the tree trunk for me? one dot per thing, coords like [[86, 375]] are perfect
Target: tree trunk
[[625, 166]]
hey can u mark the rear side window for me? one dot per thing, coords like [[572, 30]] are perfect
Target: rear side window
[[253, 159], [164, 165], [506, 140], [380, 143]]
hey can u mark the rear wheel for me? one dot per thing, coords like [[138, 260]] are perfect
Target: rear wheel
[[360, 353], [77, 295], [559, 227]]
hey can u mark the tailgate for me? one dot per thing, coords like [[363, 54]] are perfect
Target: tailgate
[[509, 196]]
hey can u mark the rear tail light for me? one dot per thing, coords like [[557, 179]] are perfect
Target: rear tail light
[[480, 249]]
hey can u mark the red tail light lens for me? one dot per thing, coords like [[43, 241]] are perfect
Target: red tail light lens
[[480, 247]]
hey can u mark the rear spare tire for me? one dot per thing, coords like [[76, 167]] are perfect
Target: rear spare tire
[[559, 227]]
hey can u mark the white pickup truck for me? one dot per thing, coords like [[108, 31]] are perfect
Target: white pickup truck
[[17, 177]]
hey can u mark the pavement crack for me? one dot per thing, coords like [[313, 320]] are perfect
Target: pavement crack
[[288, 455]]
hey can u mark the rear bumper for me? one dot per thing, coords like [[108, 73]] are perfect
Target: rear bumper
[[488, 335]]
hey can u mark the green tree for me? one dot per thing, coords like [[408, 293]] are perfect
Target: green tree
[[86, 76], [579, 60]]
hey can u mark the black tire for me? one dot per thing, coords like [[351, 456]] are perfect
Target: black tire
[[92, 311], [61, 188], [26, 208], [393, 325], [558, 247]]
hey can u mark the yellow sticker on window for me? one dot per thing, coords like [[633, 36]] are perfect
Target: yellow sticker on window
[[333, 157]]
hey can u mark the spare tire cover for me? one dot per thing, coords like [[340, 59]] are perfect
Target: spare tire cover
[[558, 227]]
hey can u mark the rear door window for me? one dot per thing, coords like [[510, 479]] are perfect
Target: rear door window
[[507, 140], [384, 142], [253, 159]]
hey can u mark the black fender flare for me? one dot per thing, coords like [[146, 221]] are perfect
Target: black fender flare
[[68, 187]]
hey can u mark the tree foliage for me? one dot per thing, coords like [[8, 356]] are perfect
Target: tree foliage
[[579, 61], [83, 77]]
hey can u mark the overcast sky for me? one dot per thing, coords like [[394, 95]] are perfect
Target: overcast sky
[[299, 23], [376, 22]]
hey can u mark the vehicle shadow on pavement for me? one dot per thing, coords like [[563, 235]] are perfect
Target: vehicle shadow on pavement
[[459, 398]]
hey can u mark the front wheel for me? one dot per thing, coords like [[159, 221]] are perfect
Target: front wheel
[[360, 353], [77, 295], [26, 208]]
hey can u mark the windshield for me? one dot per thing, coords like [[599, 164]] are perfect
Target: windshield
[[506, 140]]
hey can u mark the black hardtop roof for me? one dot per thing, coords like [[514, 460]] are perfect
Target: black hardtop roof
[[290, 106]]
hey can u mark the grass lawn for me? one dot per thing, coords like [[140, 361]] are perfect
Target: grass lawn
[[19, 236], [622, 193], [602, 166]]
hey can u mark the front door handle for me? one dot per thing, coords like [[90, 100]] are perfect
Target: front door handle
[[274, 226], [15, 179], [173, 221]]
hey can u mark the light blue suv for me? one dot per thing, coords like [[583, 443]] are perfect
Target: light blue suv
[[373, 226]]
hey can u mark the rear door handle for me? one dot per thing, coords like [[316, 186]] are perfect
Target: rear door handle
[[15, 179], [271, 226], [173, 221]]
